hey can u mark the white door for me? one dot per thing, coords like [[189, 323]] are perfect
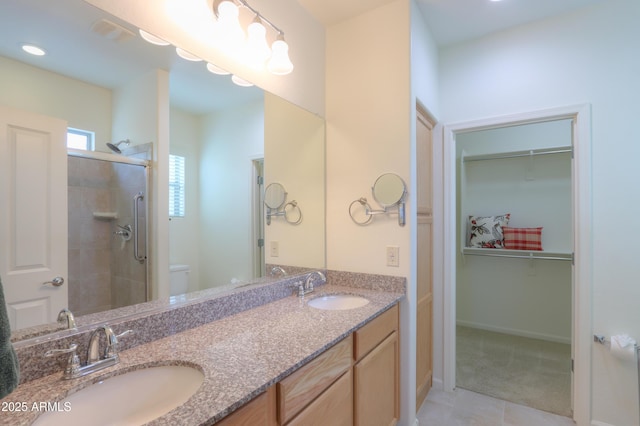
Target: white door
[[33, 216]]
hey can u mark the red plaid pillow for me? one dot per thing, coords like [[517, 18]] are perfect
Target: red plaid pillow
[[522, 238]]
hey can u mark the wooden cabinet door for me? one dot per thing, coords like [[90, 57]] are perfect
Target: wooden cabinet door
[[260, 411], [424, 291], [376, 385], [303, 386], [333, 407]]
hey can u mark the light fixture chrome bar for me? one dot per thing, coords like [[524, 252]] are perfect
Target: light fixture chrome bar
[[259, 15], [248, 6]]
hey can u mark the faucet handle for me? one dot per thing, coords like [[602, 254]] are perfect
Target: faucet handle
[[124, 333], [112, 347], [73, 363]]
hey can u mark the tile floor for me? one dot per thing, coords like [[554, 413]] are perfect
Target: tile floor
[[462, 408]]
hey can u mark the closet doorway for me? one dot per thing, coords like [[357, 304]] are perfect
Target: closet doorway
[[515, 317]]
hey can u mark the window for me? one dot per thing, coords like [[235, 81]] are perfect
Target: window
[[176, 186], [80, 139]]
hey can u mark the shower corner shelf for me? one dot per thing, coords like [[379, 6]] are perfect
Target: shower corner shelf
[[105, 215], [518, 254]]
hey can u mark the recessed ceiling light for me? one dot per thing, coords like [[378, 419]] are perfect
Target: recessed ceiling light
[[33, 49]]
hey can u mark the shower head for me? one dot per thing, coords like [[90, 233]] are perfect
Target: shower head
[[115, 147]]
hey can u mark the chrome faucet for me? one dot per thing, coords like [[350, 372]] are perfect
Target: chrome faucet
[[278, 269], [307, 287], [65, 317], [110, 351], [95, 362]]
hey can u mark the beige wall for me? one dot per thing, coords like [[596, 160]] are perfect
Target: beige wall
[[369, 128], [368, 134], [186, 138], [83, 105], [231, 140], [294, 157]]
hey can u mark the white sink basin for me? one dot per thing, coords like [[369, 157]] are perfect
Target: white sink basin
[[338, 302], [133, 398]]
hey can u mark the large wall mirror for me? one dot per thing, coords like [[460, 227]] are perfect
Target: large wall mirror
[[231, 142]]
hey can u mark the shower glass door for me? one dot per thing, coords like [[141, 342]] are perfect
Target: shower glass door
[[103, 270]]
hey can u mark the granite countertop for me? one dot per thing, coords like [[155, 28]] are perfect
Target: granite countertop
[[240, 355]]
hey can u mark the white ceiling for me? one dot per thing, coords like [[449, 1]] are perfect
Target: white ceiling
[[453, 21]]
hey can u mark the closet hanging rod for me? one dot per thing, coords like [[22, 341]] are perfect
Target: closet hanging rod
[[527, 255], [515, 154]]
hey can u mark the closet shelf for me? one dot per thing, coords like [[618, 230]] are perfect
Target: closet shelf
[[515, 154], [517, 254]]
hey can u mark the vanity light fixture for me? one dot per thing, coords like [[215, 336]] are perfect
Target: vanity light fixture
[[227, 13], [216, 69], [256, 48], [280, 64], [33, 49], [186, 55], [153, 39], [240, 82]]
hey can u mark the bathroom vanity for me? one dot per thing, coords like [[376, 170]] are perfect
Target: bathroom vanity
[[283, 361]]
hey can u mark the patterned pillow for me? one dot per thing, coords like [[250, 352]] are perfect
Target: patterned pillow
[[486, 231], [522, 238]]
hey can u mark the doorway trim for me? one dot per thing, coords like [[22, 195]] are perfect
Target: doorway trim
[[582, 272]]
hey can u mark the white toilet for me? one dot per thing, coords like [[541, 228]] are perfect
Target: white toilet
[[179, 279]]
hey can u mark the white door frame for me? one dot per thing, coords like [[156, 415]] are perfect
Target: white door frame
[[582, 272]]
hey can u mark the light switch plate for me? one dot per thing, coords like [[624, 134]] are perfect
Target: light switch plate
[[393, 256]]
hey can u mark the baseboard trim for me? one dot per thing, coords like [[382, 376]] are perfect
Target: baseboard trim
[[516, 332], [597, 423]]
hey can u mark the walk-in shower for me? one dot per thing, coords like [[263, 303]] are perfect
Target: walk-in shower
[[107, 232]]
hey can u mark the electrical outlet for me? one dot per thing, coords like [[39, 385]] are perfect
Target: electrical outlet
[[274, 249], [393, 256]]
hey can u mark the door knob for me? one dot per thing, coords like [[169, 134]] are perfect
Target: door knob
[[56, 282]]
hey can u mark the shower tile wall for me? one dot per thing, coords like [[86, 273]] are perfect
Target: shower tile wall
[[89, 238], [102, 271]]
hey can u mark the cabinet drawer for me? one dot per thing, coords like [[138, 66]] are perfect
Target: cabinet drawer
[[300, 388], [334, 407], [375, 332], [259, 411]]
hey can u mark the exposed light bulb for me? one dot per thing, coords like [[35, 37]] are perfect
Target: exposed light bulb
[[231, 33], [258, 50], [240, 82], [186, 55], [216, 69], [280, 64], [152, 39]]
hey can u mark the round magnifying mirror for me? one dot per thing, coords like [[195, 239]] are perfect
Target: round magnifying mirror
[[388, 189], [274, 196]]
